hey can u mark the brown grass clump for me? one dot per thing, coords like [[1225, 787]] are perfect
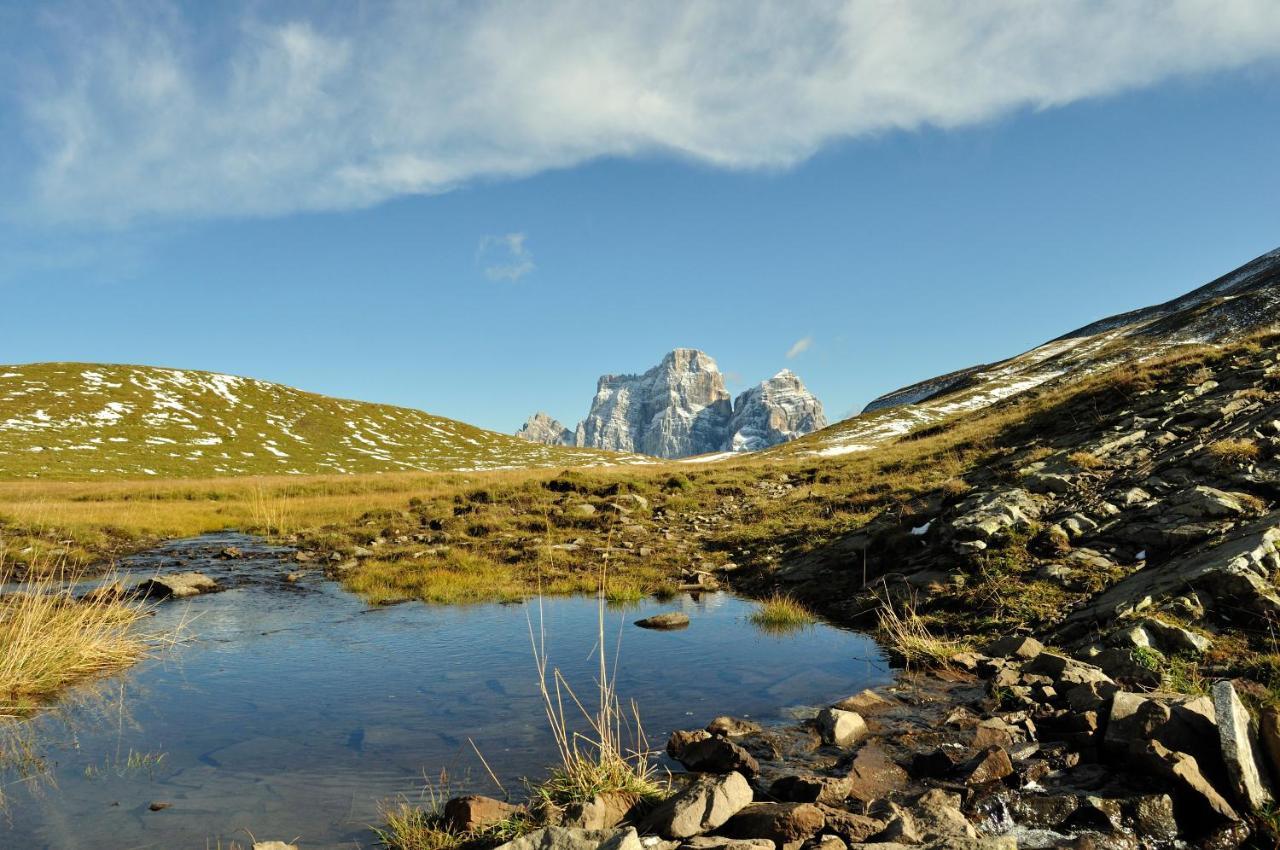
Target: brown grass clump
[[49, 640], [1234, 451], [905, 631], [1085, 460]]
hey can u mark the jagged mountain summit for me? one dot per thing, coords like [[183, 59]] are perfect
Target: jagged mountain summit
[[774, 411], [1231, 307], [82, 420], [681, 408], [545, 429]]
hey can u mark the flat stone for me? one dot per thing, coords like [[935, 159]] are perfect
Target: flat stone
[[782, 823], [841, 728], [1240, 750], [720, 842], [665, 622], [865, 702], [568, 838], [703, 805], [874, 773], [176, 586]]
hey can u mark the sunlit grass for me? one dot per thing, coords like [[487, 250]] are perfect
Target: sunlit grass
[[781, 613], [49, 639]]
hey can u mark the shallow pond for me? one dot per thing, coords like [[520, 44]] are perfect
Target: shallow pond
[[296, 709]]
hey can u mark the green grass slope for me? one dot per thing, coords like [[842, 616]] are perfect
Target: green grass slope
[[81, 420]]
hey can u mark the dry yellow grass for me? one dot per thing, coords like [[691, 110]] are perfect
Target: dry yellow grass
[[49, 639], [1234, 451]]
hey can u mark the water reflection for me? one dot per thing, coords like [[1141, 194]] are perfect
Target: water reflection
[[298, 709]]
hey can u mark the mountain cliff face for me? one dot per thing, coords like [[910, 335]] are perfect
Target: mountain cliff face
[[772, 412], [541, 428], [681, 408]]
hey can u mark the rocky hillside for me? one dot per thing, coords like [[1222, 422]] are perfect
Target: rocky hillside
[[74, 420], [1236, 304], [681, 408]]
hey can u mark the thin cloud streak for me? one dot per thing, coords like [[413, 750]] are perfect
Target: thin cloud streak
[[137, 110], [799, 347]]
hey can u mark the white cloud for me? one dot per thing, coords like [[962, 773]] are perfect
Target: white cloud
[[504, 257], [145, 111], [799, 347]]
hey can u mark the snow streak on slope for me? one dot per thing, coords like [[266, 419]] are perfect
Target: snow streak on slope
[[69, 420], [1239, 303]]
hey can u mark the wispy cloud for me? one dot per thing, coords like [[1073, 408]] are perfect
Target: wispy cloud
[[160, 109], [799, 347], [504, 257]]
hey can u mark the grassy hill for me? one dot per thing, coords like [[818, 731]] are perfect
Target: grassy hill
[[81, 420]]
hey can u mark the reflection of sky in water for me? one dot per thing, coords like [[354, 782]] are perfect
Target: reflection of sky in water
[[297, 710]]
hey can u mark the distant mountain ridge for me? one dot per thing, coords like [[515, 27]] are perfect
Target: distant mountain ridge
[[681, 408], [84, 420]]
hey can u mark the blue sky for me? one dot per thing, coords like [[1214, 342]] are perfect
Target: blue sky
[[352, 203]]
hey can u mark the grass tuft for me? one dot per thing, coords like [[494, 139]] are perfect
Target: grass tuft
[[49, 639], [907, 633], [782, 613], [1234, 451]]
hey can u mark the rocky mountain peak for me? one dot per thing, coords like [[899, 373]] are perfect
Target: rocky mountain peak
[[681, 407], [542, 428], [774, 411]]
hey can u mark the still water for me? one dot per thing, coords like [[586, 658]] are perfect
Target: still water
[[295, 709]]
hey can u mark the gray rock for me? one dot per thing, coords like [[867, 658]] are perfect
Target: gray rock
[[717, 755], [1240, 751], [176, 586], [1206, 503], [987, 515], [665, 622], [568, 838], [841, 728], [1235, 571], [703, 805], [720, 842]]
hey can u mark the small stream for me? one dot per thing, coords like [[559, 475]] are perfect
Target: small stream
[[295, 708]]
